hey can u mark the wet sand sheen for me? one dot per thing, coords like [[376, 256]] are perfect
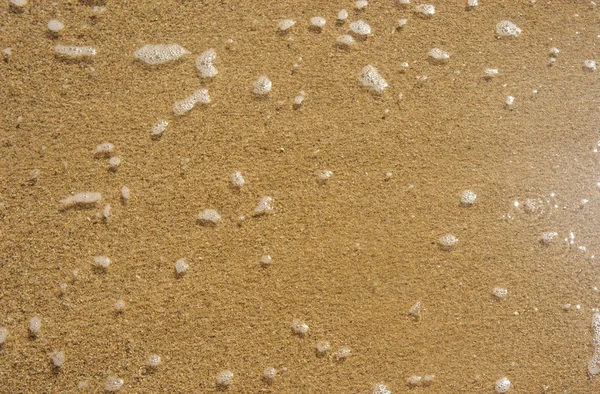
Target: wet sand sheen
[[369, 189]]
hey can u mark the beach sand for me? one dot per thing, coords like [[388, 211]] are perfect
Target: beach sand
[[351, 255]]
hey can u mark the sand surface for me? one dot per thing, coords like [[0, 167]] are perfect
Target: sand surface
[[351, 255]]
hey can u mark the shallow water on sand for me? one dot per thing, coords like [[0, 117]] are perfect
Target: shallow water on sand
[[351, 250]]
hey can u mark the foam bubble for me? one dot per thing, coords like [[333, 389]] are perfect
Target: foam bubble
[[102, 261], [361, 4], [269, 374], [153, 361], [448, 241], [237, 180], [204, 63], [502, 385], [415, 310], [414, 380], [155, 54], [360, 28], [75, 51], [299, 327], [18, 3], [262, 85], [200, 96], [54, 25], [468, 197], [425, 10], [500, 293], [209, 217], [342, 15], [343, 353], [439, 54], [590, 65], [3, 335], [346, 40], [322, 347], [83, 198], [159, 128], [35, 326], [224, 378], [286, 24], [265, 205], [381, 388], [58, 358], [181, 266], [506, 28], [113, 383], [318, 22], [371, 79], [548, 237]]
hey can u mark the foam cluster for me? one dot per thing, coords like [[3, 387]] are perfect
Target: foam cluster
[[415, 310], [425, 10], [502, 386], [548, 237], [262, 85], [209, 217], [468, 197], [346, 40], [594, 364], [58, 358], [204, 63], [343, 353], [361, 4], [104, 149], [55, 25], [439, 54], [299, 328], [125, 193], [83, 198], [237, 179], [322, 347], [381, 388], [500, 293], [448, 241], [269, 374], [265, 205], [360, 28], [416, 380], [182, 107], [370, 78], [181, 266], [506, 28], [286, 24], [74, 51], [153, 361], [113, 383], [35, 326], [159, 128], [318, 22], [3, 335], [590, 65], [102, 261], [224, 378], [342, 15], [160, 53]]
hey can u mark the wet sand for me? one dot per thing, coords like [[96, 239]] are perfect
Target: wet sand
[[351, 256]]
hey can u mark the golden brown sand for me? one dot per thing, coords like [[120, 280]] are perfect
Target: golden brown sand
[[350, 257]]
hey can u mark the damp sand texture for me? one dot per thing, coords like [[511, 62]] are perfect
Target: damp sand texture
[[405, 204]]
